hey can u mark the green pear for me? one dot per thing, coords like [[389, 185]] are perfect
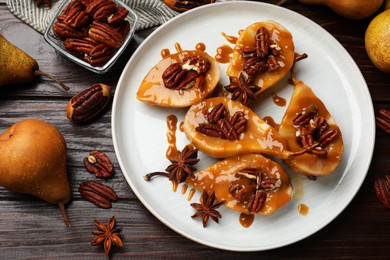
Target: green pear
[[33, 161], [18, 67]]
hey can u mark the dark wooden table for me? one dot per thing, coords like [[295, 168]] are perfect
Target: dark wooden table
[[32, 229]]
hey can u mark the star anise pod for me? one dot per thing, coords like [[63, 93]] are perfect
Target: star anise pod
[[207, 208], [242, 88], [39, 3], [181, 166], [108, 235]]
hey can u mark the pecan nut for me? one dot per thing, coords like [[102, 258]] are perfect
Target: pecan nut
[[89, 103], [98, 193], [118, 16], [103, 33], [79, 46], [99, 164], [382, 190], [76, 16], [101, 9], [383, 120], [64, 30]]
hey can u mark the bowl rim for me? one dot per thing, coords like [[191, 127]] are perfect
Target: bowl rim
[[57, 44]]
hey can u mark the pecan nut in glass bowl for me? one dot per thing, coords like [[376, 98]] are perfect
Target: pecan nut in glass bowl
[[92, 33]]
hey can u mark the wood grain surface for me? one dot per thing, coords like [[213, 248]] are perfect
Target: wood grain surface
[[32, 229]]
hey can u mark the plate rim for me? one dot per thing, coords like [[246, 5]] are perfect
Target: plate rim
[[351, 61]]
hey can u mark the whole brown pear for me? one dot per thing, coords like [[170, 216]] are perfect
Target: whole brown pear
[[18, 67], [33, 161], [377, 41], [352, 9]]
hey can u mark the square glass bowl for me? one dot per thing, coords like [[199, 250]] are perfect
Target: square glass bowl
[[57, 44]]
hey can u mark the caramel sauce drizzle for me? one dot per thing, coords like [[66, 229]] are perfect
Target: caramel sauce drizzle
[[269, 120], [191, 194], [178, 47], [181, 126], [200, 46], [229, 38], [278, 100], [165, 53], [303, 209], [171, 136], [223, 54], [246, 220], [184, 188]]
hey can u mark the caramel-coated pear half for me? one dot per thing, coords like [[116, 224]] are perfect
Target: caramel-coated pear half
[[221, 175], [154, 92], [259, 137], [282, 40], [303, 98]]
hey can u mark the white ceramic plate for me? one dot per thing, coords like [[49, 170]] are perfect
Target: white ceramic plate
[[139, 130]]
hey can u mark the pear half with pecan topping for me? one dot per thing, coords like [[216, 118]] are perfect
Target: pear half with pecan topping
[[265, 51], [221, 128], [180, 79], [249, 183], [308, 125]]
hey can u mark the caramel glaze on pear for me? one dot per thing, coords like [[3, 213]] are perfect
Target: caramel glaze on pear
[[280, 36], [153, 91], [220, 175], [33, 161], [308, 163], [259, 137]]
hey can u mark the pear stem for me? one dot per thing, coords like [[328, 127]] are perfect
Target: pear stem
[[41, 73], [64, 215]]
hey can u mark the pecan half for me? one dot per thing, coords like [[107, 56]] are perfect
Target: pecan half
[[89, 103], [103, 33], [76, 16], [99, 164], [382, 190], [79, 46], [216, 113], [64, 30], [118, 16], [101, 9], [383, 120], [98, 193]]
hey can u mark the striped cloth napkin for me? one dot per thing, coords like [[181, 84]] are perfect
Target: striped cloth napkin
[[150, 12]]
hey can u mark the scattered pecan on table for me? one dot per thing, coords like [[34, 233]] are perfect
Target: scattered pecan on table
[[98, 193], [184, 5], [89, 103], [92, 30], [382, 190], [220, 125], [99, 164], [383, 120]]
